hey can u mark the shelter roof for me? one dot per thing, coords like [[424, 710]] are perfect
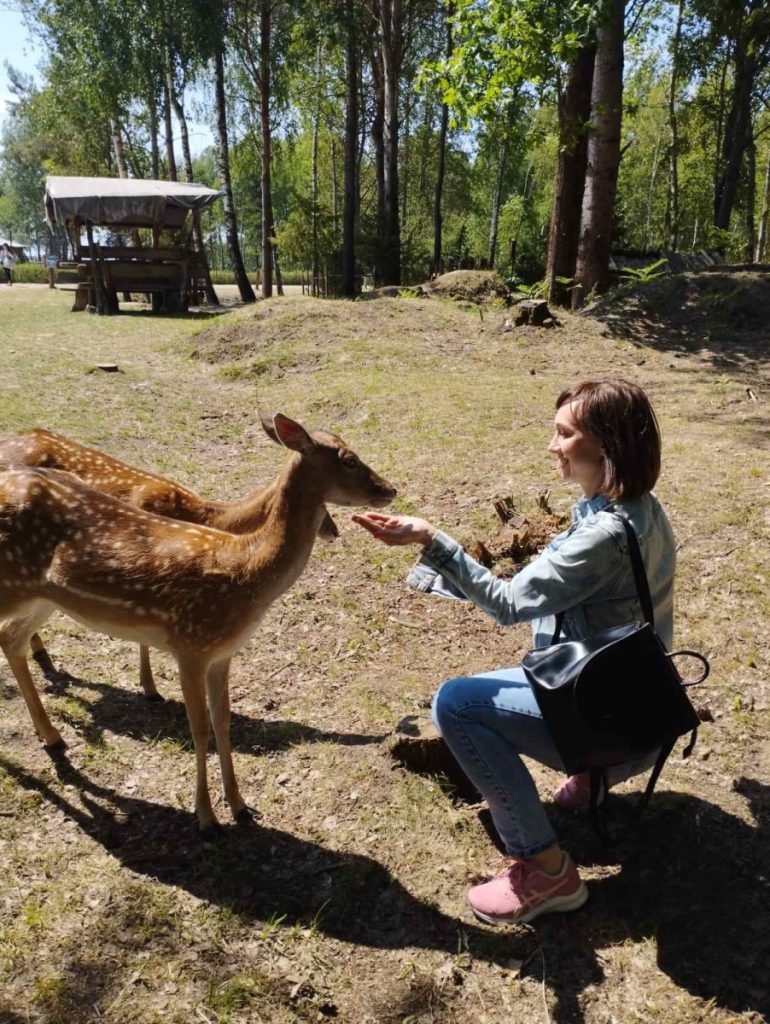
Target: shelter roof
[[124, 201]]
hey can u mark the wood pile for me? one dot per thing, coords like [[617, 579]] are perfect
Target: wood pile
[[520, 536]]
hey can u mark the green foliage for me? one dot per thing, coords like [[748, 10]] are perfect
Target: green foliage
[[30, 273], [509, 62], [643, 274]]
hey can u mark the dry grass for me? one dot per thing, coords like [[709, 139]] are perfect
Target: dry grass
[[346, 902]]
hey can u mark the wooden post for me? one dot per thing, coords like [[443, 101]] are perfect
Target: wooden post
[[96, 273], [110, 294], [77, 240], [202, 260]]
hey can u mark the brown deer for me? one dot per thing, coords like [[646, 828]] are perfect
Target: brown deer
[[47, 450], [194, 591]]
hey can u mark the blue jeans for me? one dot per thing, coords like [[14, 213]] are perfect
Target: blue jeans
[[489, 721]]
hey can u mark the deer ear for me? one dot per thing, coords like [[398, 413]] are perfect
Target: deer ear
[[267, 425], [291, 434]]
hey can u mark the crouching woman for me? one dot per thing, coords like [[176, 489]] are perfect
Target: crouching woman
[[606, 441]]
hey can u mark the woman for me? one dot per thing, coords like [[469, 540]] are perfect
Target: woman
[[606, 441], [9, 263]]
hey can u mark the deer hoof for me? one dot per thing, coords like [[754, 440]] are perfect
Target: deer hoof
[[247, 814], [56, 746], [155, 698]]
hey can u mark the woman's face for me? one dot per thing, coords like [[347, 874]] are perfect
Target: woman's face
[[579, 455]]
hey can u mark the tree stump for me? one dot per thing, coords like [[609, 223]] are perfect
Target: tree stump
[[532, 311], [417, 745]]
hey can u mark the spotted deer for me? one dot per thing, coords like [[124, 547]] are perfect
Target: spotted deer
[[189, 589], [47, 450]]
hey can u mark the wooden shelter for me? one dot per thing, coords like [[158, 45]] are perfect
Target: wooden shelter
[[172, 276]]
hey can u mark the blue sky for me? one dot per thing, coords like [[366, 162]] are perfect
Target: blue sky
[[18, 49]]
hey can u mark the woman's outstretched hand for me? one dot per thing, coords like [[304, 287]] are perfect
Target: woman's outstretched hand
[[396, 529]]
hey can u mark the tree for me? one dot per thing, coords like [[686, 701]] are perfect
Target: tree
[[223, 162], [603, 157]]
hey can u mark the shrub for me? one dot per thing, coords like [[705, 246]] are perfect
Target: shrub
[[30, 273]]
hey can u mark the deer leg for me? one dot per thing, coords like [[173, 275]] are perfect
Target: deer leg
[[192, 676], [50, 736], [218, 693], [41, 655], [145, 675]]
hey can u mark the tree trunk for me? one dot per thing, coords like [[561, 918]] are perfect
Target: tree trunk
[[276, 265], [170, 158], [314, 177], [751, 197], [335, 190], [438, 195], [391, 51], [719, 133], [574, 114], [120, 162], [737, 131], [197, 231], [378, 142], [671, 226], [349, 205], [117, 146], [264, 114], [223, 165], [154, 151], [763, 220], [592, 267], [651, 190], [496, 202], [182, 122]]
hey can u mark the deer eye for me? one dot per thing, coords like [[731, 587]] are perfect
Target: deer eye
[[350, 460]]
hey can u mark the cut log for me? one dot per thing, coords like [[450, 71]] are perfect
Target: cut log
[[418, 746], [531, 311]]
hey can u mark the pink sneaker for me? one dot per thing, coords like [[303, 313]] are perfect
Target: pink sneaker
[[574, 794], [522, 892]]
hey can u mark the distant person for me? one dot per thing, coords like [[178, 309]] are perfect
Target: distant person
[[9, 262], [605, 440]]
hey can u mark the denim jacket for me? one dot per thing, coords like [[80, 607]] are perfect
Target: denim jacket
[[584, 572]]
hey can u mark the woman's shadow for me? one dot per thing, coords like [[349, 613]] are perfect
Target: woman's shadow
[[695, 881]]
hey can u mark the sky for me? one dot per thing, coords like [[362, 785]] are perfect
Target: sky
[[18, 49]]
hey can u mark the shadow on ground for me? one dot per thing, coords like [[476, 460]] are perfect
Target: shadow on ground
[[724, 314], [691, 880], [125, 713]]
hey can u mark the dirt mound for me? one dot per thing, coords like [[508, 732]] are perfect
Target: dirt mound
[[470, 286], [712, 310]]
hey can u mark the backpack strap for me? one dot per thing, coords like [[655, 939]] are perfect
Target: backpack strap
[[640, 577], [599, 780]]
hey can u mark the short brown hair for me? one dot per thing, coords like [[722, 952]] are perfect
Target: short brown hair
[[618, 415]]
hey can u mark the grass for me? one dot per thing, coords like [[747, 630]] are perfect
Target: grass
[[345, 900]]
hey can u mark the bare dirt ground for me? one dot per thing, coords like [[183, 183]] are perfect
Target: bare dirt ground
[[345, 901]]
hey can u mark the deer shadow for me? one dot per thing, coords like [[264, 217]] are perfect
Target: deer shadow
[[690, 881], [264, 874], [131, 714]]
